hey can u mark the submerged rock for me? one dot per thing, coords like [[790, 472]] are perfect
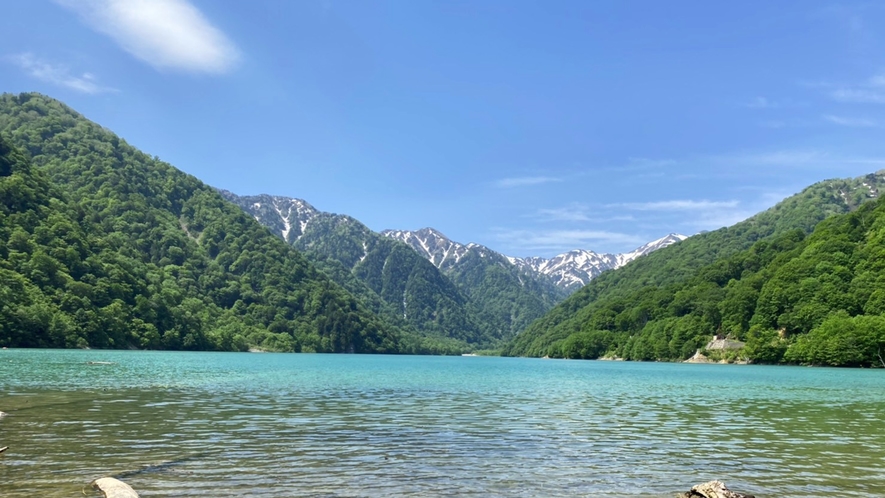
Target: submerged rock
[[712, 489], [113, 488]]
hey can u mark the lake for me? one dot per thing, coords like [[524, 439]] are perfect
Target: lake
[[247, 424]]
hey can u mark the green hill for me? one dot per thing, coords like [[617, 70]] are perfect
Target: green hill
[[104, 246], [610, 302]]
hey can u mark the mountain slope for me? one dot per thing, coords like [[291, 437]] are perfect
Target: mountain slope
[[388, 275], [103, 246], [575, 269], [813, 300], [679, 262], [506, 296]]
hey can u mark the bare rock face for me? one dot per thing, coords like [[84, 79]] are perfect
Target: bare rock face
[[698, 358], [712, 489]]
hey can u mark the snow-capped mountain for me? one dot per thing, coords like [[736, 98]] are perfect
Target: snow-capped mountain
[[575, 269], [443, 252], [569, 271], [422, 278], [284, 215], [650, 247]]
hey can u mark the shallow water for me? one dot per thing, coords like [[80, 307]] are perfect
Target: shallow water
[[240, 424]]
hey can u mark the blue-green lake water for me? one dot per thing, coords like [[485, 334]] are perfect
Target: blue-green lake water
[[240, 424]]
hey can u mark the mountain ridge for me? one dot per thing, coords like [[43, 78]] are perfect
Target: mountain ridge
[[568, 271], [676, 263], [574, 269]]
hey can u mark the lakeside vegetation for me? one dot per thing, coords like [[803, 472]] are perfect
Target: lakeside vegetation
[[815, 299], [107, 247]]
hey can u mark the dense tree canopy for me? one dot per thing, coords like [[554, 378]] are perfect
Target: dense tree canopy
[[104, 246], [811, 300]]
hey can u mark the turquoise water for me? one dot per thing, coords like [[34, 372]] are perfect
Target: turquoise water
[[240, 424]]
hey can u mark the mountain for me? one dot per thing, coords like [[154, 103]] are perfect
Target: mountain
[[568, 271], [443, 252], [575, 269], [505, 294], [387, 275], [104, 246], [606, 301], [815, 299], [468, 293]]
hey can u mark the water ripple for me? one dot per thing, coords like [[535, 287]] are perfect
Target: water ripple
[[203, 424]]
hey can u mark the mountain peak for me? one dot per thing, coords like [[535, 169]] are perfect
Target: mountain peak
[[286, 215], [432, 244], [574, 269]]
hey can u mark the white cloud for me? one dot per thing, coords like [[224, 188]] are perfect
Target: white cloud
[[676, 205], [167, 34], [852, 122], [858, 95], [570, 213], [525, 181], [870, 91], [577, 213], [58, 74], [563, 240]]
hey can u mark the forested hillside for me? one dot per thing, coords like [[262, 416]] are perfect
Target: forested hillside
[[104, 246], [681, 261], [386, 274], [507, 297], [818, 300], [482, 301]]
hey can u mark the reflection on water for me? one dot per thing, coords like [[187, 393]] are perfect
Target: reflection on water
[[213, 424]]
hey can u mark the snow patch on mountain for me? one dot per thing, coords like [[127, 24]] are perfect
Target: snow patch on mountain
[[289, 217], [575, 269], [570, 270], [433, 245]]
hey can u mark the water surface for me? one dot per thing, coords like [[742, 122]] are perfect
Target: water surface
[[240, 424]]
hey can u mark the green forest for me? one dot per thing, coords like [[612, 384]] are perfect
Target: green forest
[[815, 299], [106, 247]]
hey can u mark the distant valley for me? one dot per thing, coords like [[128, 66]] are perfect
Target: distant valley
[[438, 285]]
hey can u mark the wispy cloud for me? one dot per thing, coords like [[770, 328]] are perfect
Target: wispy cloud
[[760, 103], [869, 91], [167, 34], [773, 123], [768, 103], [646, 162], [577, 213], [676, 205], [789, 158], [852, 122], [525, 181], [58, 74], [563, 240], [859, 95], [785, 157]]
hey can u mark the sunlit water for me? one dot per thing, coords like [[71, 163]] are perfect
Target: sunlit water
[[240, 424]]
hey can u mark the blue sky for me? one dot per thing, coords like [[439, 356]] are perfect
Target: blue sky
[[530, 127]]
